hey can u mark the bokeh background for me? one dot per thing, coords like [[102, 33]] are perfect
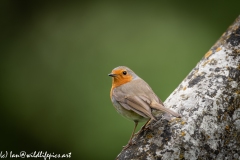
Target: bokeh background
[[55, 57]]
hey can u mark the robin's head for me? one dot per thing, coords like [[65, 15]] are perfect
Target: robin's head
[[122, 75]]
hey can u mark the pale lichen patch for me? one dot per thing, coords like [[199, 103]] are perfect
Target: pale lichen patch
[[218, 49], [146, 148], [237, 125], [184, 88], [206, 62], [208, 54], [183, 122], [183, 133]]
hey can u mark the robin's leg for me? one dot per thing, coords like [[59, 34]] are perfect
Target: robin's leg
[[144, 127], [147, 123], [130, 140]]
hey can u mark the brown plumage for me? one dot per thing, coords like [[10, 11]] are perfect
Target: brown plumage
[[133, 97]]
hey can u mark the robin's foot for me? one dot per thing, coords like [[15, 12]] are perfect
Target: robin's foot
[[141, 130], [136, 134], [129, 144], [148, 127]]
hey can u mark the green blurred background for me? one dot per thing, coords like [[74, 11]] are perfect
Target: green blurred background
[[55, 57]]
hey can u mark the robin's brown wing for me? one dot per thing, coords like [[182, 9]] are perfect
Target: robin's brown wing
[[146, 93], [137, 105], [133, 103], [158, 106], [138, 96]]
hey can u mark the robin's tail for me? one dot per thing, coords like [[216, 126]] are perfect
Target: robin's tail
[[160, 107]]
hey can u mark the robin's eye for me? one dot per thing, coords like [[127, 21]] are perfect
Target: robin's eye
[[124, 72]]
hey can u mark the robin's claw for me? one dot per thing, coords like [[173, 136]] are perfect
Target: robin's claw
[[130, 143]]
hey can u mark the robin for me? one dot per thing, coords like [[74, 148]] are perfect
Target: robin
[[134, 99]]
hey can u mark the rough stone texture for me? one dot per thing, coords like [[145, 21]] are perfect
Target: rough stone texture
[[209, 101]]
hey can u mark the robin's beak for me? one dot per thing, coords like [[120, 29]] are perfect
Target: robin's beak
[[112, 75]]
